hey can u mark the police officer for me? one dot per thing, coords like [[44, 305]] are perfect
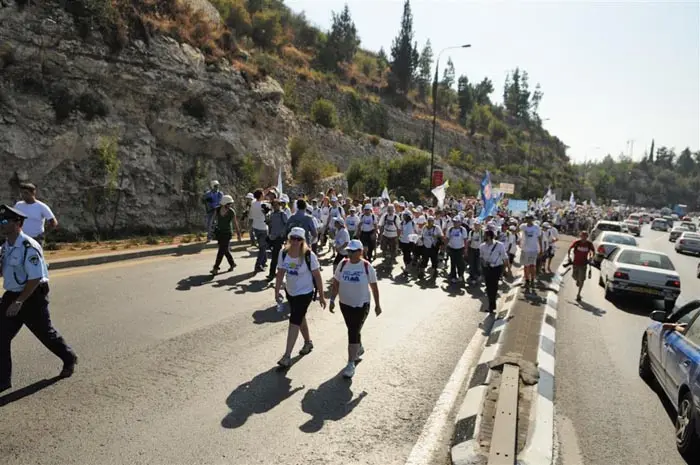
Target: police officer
[[25, 301]]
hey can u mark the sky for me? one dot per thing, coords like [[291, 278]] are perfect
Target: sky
[[611, 72]]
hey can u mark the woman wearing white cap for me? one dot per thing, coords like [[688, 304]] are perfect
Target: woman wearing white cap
[[352, 281], [301, 267], [341, 241], [249, 196], [368, 231], [224, 219], [511, 244]]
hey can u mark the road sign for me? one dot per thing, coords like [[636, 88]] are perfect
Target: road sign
[[506, 188], [437, 177]]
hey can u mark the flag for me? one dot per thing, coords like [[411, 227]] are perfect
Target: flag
[[548, 198], [385, 193], [279, 181], [487, 197], [572, 202], [440, 192]]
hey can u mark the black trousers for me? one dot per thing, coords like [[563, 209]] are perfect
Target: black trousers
[[492, 276], [457, 264], [275, 254], [354, 320], [474, 263], [369, 240], [224, 241], [35, 315], [407, 250], [430, 253]]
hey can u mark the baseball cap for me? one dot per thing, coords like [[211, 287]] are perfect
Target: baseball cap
[[354, 245], [297, 232]]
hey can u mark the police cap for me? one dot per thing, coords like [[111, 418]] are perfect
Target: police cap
[[9, 213]]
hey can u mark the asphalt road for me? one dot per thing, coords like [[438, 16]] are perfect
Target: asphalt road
[[179, 368], [605, 414]]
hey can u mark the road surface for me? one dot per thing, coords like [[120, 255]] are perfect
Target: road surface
[[605, 414], [177, 367]]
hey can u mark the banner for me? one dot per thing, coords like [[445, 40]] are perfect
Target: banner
[[440, 192], [506, 188], [437, 177], [487, 197], [517, 206]]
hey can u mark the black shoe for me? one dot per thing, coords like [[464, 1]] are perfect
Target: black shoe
[[259, 268], [5, 386], [68, 369], [214, 271], [232, 266]]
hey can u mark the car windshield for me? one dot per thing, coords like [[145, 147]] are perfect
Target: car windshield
[[660, 222], [688, 311], [648, 259], [609, 227], [688, 227], [691, 236], [619, 239]]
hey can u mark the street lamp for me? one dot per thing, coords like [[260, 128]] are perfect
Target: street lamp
[[435, 90], [527, 160]]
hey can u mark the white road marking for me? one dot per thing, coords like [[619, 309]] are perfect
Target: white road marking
[[567, 450], [429, 441]]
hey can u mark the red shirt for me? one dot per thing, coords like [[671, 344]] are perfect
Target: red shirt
[[581, 251]]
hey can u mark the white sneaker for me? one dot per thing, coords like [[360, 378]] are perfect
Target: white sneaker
[[360, 353], [349, 370]]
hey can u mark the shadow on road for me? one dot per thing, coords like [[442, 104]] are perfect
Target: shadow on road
[[636, 306], [28, 390], [270, 315], [234, 280], [331, 401], [668, 407], [588, 307], [194, 281], [190, 249], [259, 395]]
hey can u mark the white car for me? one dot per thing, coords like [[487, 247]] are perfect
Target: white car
[[640, 272], [607, 242], [659, 224], [688, 242]]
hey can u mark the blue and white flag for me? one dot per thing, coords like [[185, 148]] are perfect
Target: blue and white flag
[[572, 202], [279, 181], [548, 198], [487, 197]]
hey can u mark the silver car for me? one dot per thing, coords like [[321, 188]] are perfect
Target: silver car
[[680, 229], [607, 242], [688, 242]]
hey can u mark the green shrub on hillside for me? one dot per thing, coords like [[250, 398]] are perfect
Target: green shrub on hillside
[[374, 140], [407, 176], [323, 112], [297, 148], [235, 15], [313, 168], [376, 120], [498, 130], [267, 29]]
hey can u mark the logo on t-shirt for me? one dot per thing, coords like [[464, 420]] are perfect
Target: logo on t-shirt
[[352, 276]]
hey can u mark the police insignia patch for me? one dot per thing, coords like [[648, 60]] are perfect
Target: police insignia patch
[[34, 260]]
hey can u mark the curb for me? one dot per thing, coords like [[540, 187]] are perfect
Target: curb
[[465, 448], [177, 250], [540, 443]]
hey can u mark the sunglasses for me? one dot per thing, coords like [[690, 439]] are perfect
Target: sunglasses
[[296, 239]]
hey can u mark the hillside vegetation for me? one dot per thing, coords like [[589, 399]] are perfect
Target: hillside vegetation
[[264, 37]]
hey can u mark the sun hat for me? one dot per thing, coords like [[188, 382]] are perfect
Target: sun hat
[[297, 232], [338, 219], [226, 199], [354, 245]]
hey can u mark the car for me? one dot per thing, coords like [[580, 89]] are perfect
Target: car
[[634, 225], [659, 224], [640, 272], [646, 218], [672, 358], [604, 225], [680, 229], [688, 242], [669, 219], [607, 241]]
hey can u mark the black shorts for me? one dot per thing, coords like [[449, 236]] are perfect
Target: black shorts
[[298, 305]]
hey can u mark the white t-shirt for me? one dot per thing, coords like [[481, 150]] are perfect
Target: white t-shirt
[[299, 280], [431, 235], [257, 215], [319, 227], [37, 213], [511, 242], [549, 237], [354, 280], [406, 230], [530, 238], [342, 236], [368, 222], [419, 222], [493, 254], [475, 239], [457, 237], [351, 223], [390, 223]]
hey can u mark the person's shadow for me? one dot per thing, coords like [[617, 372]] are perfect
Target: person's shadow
[[194, 281], [270, 315], [27, 391], [331, 401], [259, 395]]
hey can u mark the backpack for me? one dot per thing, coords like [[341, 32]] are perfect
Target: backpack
[[345, 262], [307, 259]]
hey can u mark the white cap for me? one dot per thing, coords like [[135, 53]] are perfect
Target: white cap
[[546, 225], [226, 199], [250, 196], [338, 219], [457, 219], [297, 232], [334, 199], [354, 245], [214, 183], [367, 207], [419, 208], [284, 198]]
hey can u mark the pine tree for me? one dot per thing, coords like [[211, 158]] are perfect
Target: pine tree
[[425, 69], [404, 56], [448, 76], [342, 42], [465, 97], [482, 92], [651, 153]]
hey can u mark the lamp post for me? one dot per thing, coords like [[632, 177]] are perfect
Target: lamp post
[[528, 159], [435, 91]]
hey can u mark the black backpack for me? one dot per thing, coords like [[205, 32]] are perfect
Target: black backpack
[[307, 259]]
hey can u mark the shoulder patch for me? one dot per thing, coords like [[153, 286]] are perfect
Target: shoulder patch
[[34, 260]]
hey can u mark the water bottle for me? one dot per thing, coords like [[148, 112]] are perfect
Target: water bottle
[[280, 305]]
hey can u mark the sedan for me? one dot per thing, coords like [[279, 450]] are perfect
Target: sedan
[[671, 354], [646, 273], [607, 242], [689, 242], [633, 227], [659, 224], [680, 229]]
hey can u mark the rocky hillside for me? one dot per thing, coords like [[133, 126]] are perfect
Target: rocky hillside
[[122, 124]]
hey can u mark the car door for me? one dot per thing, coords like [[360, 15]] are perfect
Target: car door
[[680, 356]]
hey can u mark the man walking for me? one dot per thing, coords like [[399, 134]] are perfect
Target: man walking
[[36, 212], [25, 301], [212, 200], [584, 250], [530, 250]]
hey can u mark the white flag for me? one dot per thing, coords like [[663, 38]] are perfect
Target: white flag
[[440, 192], [572, 202], [385, 193], [548, 198], [279, 181]]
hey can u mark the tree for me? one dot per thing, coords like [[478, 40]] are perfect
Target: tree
[[651, 153], [482, 92], [425, 69], [516, 94], [448, 76], [382, 59], [685, 163], [342, 41], [535, 102], [404, 56], [465, 98]]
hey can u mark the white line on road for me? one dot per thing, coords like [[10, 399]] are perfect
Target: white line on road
[[428, 443]]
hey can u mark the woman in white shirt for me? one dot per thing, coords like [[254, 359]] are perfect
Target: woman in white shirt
[[352, 282], [511, 244], [300, 265], [493, 258], [457, 238], [408, 232], [432, 238], [341, 240]]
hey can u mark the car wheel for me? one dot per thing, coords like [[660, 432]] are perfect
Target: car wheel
[[669, 305], [644, 363], [609, 294], [687, 440]]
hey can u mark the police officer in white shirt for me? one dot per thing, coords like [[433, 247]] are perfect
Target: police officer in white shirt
[[25, 301], [493, 258], [37, 213]]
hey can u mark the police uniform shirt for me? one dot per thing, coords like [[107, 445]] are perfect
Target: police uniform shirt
[[21, 263], [475, 239], [493, 254]]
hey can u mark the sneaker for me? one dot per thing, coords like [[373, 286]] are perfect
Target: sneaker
[[349, 370], [308, 347], [214, 271], [285, 361], [360, 353], [232, 266], [68, 369]]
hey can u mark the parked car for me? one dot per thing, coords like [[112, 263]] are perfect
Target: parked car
[[688, 242], [604, 225], [640, 272], [672, 357], [680, 229], [607, 242], [634, 225], [659, 224]]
